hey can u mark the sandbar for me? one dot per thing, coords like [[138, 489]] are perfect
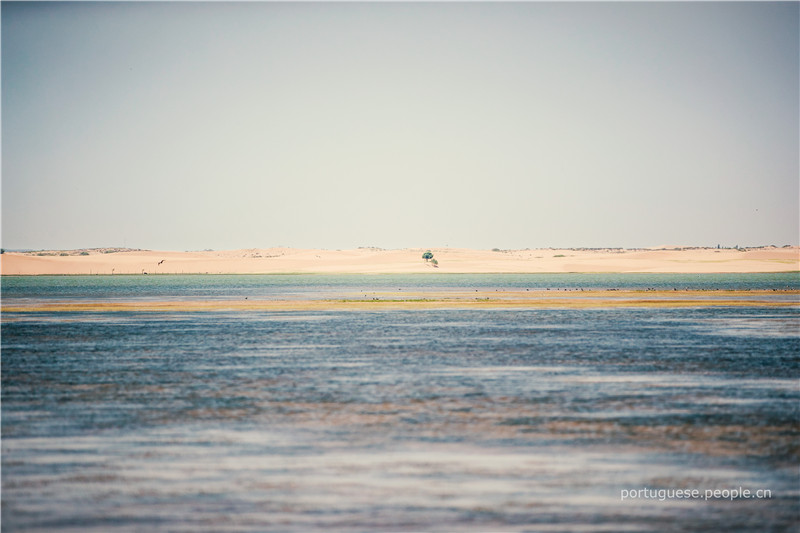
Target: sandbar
[[376, 301]]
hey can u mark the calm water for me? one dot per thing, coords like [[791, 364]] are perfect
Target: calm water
[[453, 420], [256, 286]]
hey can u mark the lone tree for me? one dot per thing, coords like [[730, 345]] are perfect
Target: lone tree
[[427, 256]]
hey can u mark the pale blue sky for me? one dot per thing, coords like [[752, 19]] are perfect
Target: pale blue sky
[[337, 125]]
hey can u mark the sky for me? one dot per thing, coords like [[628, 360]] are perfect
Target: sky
[[190, 126]]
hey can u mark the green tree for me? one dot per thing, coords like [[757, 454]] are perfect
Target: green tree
[[427, 256]]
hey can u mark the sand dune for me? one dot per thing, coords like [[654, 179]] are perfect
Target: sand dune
[[376, 261]]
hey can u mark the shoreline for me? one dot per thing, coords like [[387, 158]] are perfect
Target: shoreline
[[455, 299], [290, 261], [488, 273]]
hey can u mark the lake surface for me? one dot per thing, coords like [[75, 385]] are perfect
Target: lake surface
[[278, 286], [414, 420]]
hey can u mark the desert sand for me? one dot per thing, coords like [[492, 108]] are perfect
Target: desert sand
[[114, 261]]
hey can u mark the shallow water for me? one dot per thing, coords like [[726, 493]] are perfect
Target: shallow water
[[425, 420], [274, 286]]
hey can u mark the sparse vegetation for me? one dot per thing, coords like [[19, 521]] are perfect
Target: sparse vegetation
[[428, 256], [84, 253]]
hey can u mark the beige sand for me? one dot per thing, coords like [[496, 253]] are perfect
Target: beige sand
[[377, 261], [556, 299]]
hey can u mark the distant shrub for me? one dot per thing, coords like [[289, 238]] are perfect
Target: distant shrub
[[559, 255], [84, 253], [63, 254], [496, 250]]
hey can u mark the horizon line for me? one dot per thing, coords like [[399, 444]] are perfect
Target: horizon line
[[380, 248]]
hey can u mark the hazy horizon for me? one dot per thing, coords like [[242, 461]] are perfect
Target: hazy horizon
[[555, 248], [191, 126]]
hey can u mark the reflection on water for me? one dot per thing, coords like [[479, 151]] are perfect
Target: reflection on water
[[512, 420], [757, 325]]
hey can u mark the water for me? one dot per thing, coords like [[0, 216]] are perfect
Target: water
[[416, 420], [271, 286]]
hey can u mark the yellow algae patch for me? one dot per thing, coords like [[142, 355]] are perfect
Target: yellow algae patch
[[440, 300]]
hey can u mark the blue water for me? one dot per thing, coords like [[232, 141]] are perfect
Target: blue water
[[421, 420], [260, 286]]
